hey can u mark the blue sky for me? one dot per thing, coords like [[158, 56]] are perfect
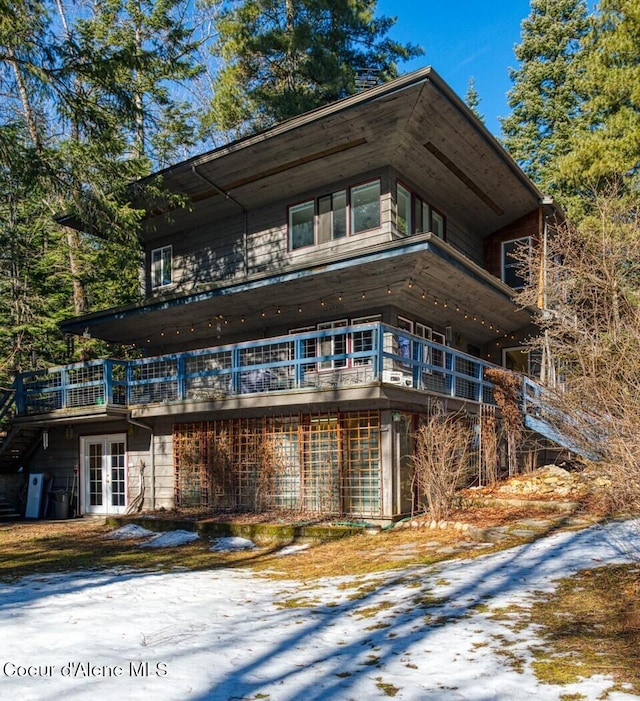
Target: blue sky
[[463, 38]]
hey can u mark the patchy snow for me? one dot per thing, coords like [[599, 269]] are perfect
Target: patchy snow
[[292, 549], [131, 530], [226, 633], [232, 543], [170, 539]]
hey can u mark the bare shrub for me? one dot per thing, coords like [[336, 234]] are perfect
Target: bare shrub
[[508, 395], [489, 446], [590, 340], [443, 459]]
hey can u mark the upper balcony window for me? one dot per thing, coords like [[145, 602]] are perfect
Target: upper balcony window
[[327, 218], [403, 211], [161, 259], [332, 216], [415, 216], [437, 224], [365, 206], [301, 224], [514, 269]]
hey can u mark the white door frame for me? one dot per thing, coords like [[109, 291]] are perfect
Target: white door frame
[[104, 473]]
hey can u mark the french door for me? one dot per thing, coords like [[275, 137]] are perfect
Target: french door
[[104, 467]]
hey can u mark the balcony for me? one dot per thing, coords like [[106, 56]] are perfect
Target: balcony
[[316, 361]]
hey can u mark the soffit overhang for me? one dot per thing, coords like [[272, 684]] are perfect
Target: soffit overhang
[[422, 276], [415, 124]]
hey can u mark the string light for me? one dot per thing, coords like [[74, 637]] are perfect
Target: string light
[[282, 310]]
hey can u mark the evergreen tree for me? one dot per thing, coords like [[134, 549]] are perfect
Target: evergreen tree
[[153, 49], [605, 148], [86, 108], [285, 57], [472, 99], [545, 97]]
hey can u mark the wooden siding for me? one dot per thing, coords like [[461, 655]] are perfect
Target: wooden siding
[[62, 458], [255, 241]]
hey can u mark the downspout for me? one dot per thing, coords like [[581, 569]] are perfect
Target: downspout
[[546, 368], [152, 456], [245, 218]]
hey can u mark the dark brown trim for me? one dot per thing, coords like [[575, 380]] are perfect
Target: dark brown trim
[[463, 177]]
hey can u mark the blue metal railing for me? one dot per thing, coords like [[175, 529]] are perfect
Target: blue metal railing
[[81, 385], [317, 360]]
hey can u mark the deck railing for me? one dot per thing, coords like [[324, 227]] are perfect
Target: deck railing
[[317, 360], [95, 383]]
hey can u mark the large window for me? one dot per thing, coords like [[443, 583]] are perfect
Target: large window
[[327, 218], [332, 345], [415, 216], [403, 211], [365, 206], [332, 216], [437, 224], [301, 224], [514, 269], [161, 267]]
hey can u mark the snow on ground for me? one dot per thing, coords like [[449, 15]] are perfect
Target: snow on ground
[[170, 539], [226, 634], [131, 530], [232, 543]]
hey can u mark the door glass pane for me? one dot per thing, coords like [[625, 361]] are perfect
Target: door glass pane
[[95, 474], [118, 486], [332, 345]]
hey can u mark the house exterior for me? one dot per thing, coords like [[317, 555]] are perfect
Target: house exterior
[[328, 280]]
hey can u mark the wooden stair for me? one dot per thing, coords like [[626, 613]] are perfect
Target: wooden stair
[[7, 511], [16, 445]]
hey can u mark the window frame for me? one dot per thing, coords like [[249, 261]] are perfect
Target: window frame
[[367, 338], [422, 215], [409, 205], [513, 264], [349, 216], [154, 272], [437, 214], [360, 186], [291, 209], [332, 341], [331, 197]]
